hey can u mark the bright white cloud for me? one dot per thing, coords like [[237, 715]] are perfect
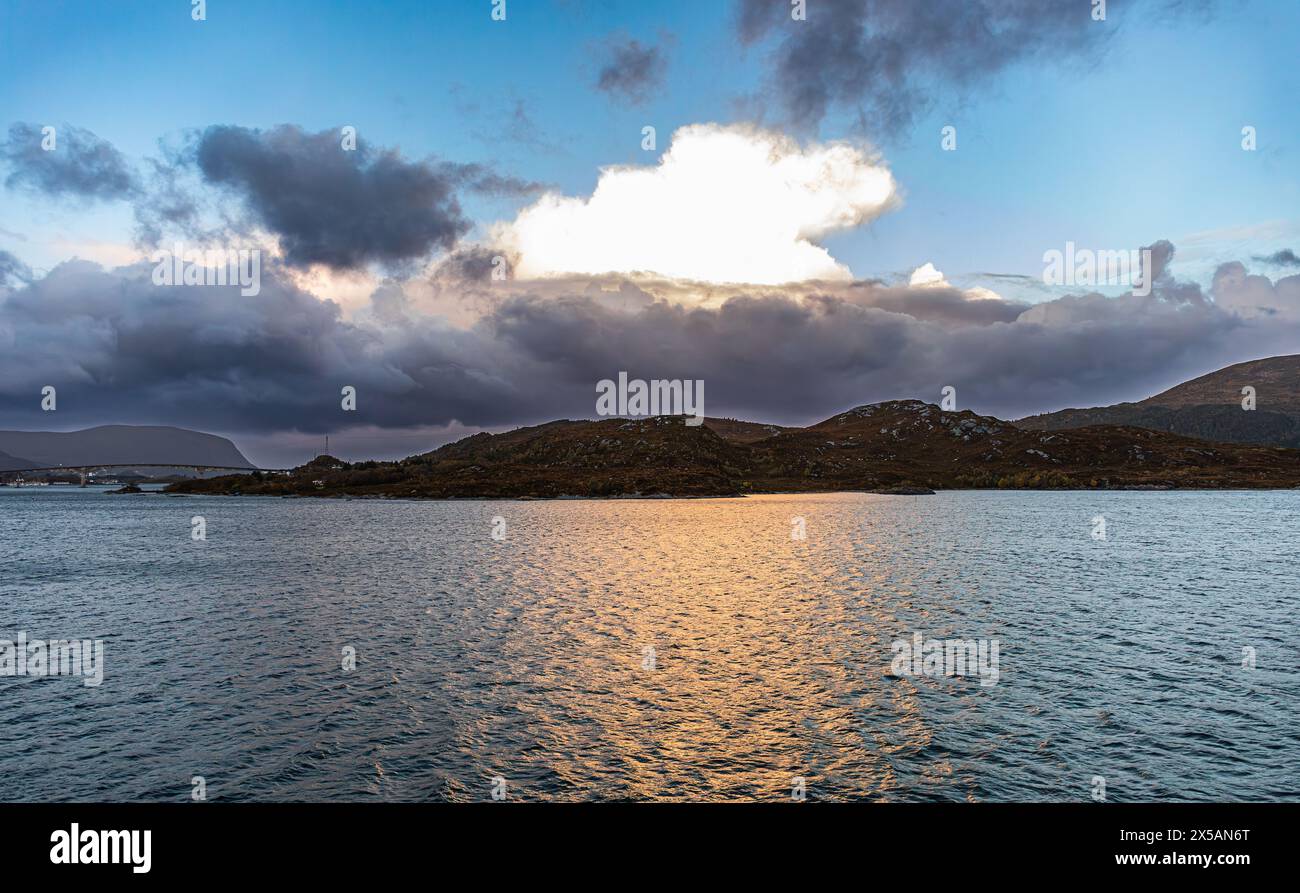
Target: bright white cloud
[[927, 276], [724, 204]]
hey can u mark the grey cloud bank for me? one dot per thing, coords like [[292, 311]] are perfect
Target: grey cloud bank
[[121, 349]]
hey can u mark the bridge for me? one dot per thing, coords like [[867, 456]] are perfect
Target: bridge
[[86, 470]]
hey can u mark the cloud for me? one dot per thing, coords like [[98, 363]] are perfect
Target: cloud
[[1284, 258], [887, 61], [512, 124], [331, 206], [166, 204], [631, 70], [800, 353], [121, 349], [1234, 289], [13, 270], [724, 204], [80, 165], [926, 276], [484, 180]]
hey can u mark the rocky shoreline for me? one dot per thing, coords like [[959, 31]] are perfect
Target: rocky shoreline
[[895, 448]]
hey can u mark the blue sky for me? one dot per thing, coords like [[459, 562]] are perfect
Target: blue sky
[[1140, 144]]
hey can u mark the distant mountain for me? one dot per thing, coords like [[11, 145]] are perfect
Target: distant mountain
[[141, 446], [1208, 407], [8, 462], [885, 446]]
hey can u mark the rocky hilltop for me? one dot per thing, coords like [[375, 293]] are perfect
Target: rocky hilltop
[[883, 446], [1209, 407]]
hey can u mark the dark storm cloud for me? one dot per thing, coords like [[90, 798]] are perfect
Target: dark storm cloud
[[772, 359], [887, 61], [328, 205], [631, 70], [1284, 258], [80, 164], [120, 349], [332, 206]]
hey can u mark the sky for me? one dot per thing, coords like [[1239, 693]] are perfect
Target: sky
[[768, 242]]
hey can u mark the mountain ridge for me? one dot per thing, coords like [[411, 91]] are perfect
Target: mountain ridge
[[1208, 406]]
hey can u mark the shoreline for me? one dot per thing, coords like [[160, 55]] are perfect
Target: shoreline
[[349, 497]]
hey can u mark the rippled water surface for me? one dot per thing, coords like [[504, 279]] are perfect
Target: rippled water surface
[[526, 658]]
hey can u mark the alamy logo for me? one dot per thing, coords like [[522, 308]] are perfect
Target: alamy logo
[[638, 397], [919, 656], [77, 847], [241, 266], [53, 657], [1084, 266]]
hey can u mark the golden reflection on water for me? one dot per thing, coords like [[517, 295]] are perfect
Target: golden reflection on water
[[769, 654]]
